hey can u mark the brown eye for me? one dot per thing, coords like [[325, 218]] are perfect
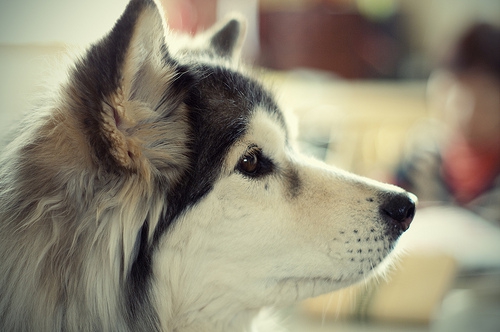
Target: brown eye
[[249, 163], [254, 164]]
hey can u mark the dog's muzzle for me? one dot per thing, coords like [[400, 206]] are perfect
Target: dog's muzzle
[[399, 209]]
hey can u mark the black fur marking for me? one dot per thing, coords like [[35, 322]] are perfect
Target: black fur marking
[[220, 104], [294, 182], [225, 40], [141, 314]]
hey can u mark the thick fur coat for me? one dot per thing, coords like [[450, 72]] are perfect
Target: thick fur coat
[[158, 189]]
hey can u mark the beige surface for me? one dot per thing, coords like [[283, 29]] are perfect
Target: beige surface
[[366, 123], [410, 293]]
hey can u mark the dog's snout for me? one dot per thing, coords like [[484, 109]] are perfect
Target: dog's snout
[[399, 209]]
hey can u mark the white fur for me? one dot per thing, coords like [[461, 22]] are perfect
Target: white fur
[[243, 248], [71, 224]]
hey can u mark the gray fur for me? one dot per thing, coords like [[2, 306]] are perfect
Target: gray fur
[[124, 205]]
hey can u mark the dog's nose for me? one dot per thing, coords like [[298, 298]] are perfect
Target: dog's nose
[[399, 209]]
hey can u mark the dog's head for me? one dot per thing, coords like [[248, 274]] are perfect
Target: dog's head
[[164, 166]]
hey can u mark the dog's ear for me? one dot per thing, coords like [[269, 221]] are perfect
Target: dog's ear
[[127, 93], [227, 37]]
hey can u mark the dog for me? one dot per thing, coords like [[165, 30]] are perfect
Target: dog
[[158, 189]]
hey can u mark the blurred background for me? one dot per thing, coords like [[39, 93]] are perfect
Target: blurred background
[[404, 91]]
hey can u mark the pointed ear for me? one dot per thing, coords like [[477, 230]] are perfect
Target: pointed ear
[[127, 93], [227, 37]]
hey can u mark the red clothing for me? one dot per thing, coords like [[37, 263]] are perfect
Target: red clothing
[[469, 171]]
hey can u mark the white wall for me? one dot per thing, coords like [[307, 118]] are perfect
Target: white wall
[[62, 21]]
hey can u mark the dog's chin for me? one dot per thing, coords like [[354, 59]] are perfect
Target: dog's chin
[[294, 289]]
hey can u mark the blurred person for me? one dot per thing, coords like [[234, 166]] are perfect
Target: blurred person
[[458, 162], [195, 16], [190, 16]]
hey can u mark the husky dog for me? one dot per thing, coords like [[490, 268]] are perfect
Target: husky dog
[[159, 190]]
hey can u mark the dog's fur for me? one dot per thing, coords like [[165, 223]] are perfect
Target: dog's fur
[[159, 190]]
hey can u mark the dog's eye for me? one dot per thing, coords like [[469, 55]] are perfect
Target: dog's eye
[[254, 164], [249, 163]]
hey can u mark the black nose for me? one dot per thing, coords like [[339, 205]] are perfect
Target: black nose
[[399, 209]]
